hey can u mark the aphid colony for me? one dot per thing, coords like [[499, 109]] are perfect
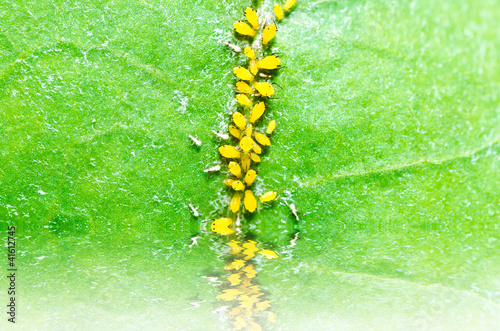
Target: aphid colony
[[253, 88]]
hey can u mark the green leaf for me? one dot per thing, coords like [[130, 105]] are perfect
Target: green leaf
[[387, 142]]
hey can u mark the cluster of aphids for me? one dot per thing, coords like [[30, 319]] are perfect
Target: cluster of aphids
[[253, 89]]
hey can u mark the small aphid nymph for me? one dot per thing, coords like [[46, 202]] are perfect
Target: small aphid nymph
[[212, 169], [288, 4], [278, 11], [249, 52], [194, 210], [223, 136], [195, 140]]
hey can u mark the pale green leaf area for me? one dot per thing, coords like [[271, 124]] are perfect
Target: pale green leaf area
[[388, 143]]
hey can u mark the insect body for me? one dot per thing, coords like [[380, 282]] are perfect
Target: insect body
[[212, 169], [252, 18], [268, 34], [265, 89], [244, 29], [195, 140], [269, 62], [278, 11], [223, 136], [194, 210]]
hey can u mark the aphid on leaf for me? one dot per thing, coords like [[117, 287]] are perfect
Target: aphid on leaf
[[262, 139], [288, 4], [270, 255], [212, 169], [278, 11], [229, 152], [194, 210], [253, 67], [245, 162], [255, 158], [244, 29], [246, 144], [249, 130], [268, 196], [264, 89], [252, 18], [244, 100], [268, 34], [238, 185], [235, 132], [223, 136], [195, 140], [239, 120], [249, 52], [250, 177], [229, 182], [235, 169], [221, 226], [256, 148], [244, 87], [243, 73], [234, 48], [257, 112], [235, 203], [270, 127], [269, 62], [294, 210], [250, 201]]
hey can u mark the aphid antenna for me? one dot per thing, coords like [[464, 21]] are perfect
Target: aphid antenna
[[277, 85], [273, 98]]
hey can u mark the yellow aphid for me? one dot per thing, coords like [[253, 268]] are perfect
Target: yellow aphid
[[278, 11], [249, 52], [239, 120], [238, 185], [234, 245], [252, 18], [250, 177], [244, 29], [255, 158], [250, 272], [271, 317], [263, 305], [250, 250], [257, 112], [256, 148], [270, 127], [261, 139], [289, 4], [235, 265], [265, 89], [269, 62], [234, 279], [229, 182], [268, 196], [268, 34], [243, 73], [235, 169], [244, 87], [250, 201], [229, 152], [221, 226], [235, 132], [246, 144], [269, 254], [245, 162], [230, 294], [235, 203], [244, 100], [253, 67], [249, 130]]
